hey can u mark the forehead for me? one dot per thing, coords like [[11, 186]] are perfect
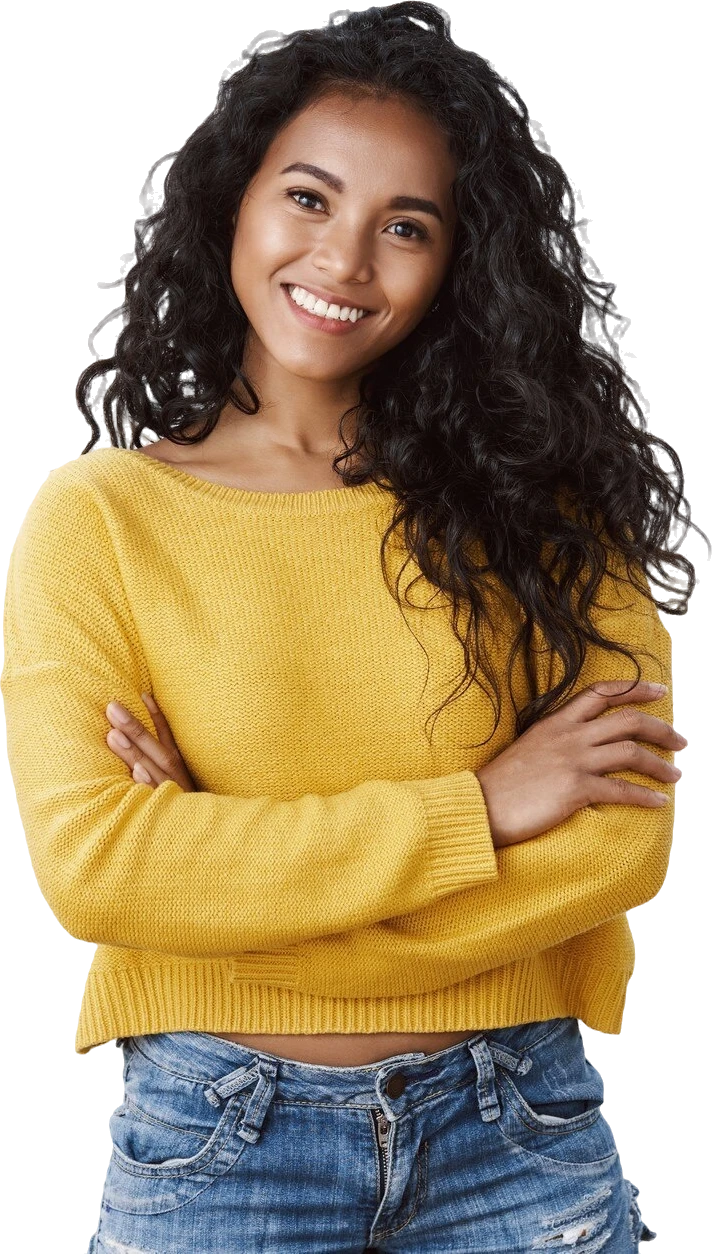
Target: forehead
[[349, 136]]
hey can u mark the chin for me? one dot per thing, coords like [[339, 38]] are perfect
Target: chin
[[306, 362]]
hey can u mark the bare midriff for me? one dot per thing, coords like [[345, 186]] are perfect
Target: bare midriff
[[342, 1050]]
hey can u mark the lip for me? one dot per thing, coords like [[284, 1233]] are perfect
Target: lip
[[329, 297], [330, 326]]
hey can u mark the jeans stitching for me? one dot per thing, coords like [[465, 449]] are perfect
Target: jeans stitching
[[569, 1125], [179, 1075], [389, 1232], [146, 1117], [551, 1027], [563, 1162], [198, 1162], [295, 1101]]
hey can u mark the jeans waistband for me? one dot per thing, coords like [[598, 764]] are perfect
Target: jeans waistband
[[395, 1084]]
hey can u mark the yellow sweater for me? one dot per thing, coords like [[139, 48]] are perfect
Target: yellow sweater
[[335, 871]]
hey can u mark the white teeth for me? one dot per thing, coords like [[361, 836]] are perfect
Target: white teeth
[[309, 301]]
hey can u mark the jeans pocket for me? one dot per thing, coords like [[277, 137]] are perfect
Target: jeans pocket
[[554, 1109], [567, 1112], [169, 1142], [552, 1117], [146, 1145]]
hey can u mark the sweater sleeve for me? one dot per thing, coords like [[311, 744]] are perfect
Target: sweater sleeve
[[188, 874], [603, 860]]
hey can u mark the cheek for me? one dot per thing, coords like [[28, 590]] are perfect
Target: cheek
[[408, 284], [266, 243], [407, 308]]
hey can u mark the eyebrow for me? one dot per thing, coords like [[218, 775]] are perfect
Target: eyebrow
[[338, 185]]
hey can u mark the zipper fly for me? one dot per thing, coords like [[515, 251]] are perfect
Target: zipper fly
[[382, 1133]]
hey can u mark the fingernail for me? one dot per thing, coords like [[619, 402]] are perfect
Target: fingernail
[[117, 712], [659, 687], [141, 774], [148, 700], [661, 798], [118, 738]]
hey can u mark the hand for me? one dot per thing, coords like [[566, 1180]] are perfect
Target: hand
[[158, 760], [558, 765]]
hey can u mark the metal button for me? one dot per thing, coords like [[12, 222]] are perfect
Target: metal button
[[395, 1085]]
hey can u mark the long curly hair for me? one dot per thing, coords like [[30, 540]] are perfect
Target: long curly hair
[[516, 450]]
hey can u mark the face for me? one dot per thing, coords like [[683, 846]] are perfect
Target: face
[[337, 231]]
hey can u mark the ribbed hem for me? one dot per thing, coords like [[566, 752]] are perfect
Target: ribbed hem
[[212, 997], [196, 992], [459, 838]]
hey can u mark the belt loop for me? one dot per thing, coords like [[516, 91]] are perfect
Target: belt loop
[[259, 1101], [486, 1093], [512, 1059], [230, 1083], [258, 1104], [485, 1054]]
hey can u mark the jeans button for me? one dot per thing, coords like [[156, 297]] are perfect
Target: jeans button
[[395, 1085]]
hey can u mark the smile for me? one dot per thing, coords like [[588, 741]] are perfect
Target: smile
[[313, 312]]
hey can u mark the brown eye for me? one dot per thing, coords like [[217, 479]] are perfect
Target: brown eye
[[302, 192], [420, 233]]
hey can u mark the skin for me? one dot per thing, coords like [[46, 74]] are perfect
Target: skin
[[352, 243], [349, 243]]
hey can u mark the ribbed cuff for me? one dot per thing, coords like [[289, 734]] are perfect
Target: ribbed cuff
[[459, 840]]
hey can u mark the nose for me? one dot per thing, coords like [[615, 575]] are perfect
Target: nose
[[344, 254]]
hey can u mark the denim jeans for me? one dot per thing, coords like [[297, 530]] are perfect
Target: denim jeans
[[497, 1143]]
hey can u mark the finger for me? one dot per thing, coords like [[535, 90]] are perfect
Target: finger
[[628, 755], [604, 693], [635, 724], [142, 774], [605, 789], [165, 735], [133, 758], [134, 730]]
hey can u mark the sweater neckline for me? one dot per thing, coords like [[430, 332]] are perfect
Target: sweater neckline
[[312, 501]]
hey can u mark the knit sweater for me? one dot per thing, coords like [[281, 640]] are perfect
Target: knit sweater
[[334, 870]]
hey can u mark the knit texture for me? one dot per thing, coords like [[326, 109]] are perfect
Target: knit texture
[[335, 870]]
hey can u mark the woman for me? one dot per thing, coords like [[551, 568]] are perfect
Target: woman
[[345, 954]]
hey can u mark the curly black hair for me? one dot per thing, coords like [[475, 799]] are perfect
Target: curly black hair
[[502, 433]]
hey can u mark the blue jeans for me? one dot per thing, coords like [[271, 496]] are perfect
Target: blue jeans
[[495, 1144]]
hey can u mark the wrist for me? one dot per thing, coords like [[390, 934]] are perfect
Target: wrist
[[481, 776]]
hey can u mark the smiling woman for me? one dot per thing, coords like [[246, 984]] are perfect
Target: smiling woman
[[367, 275], [346, 958]]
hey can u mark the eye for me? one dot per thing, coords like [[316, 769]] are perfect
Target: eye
[[420, 232], [302, 192]]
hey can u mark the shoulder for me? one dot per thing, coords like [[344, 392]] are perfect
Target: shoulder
[[68, 512], [162, 450], [90, 481], [81, 474]]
